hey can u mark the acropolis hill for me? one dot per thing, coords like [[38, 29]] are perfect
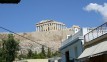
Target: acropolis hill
[[48, 32]]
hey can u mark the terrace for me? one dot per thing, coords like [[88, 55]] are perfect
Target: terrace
[[99, 33]]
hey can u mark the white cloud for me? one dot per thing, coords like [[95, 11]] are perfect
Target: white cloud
[[102, 9]]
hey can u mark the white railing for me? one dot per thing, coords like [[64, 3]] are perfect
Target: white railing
[[72, 37], [95, 33]]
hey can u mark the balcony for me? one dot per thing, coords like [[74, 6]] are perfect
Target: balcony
[[96, 34]]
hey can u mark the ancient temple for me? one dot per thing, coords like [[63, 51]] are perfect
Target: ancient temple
[[48, 25]]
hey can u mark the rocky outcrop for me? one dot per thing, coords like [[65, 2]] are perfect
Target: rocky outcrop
[[34, 40]]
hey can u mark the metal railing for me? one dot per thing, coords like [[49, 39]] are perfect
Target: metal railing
[[95, 33], [72, 37]]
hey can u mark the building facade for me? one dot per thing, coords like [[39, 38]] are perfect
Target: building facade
[[95, 47], [73, 46], [48, 25]]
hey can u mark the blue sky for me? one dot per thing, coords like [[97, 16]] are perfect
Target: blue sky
[[22, 17]]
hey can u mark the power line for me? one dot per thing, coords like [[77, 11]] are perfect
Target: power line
[[23, 37], [29, 39]]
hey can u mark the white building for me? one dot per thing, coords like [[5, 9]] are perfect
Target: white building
[[95, 47], [73, 46], [48, 25]]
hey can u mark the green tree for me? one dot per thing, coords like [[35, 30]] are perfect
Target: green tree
[[22, 56], [49, 54], [43, 55], [57, 53], [10, 48], [35, 55], [30, 53], [2, 56]]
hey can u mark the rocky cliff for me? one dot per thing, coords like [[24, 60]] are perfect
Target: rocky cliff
[[34, 40]]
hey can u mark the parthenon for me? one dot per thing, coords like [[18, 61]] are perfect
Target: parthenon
[[48, 25]]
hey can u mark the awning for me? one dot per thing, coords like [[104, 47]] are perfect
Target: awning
[[93, 50]]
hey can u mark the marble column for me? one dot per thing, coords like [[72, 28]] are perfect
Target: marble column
[[56, 27], [60, 26], [43, 27], [53, 26], [37, 28], [40, 28], [48, 27]]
